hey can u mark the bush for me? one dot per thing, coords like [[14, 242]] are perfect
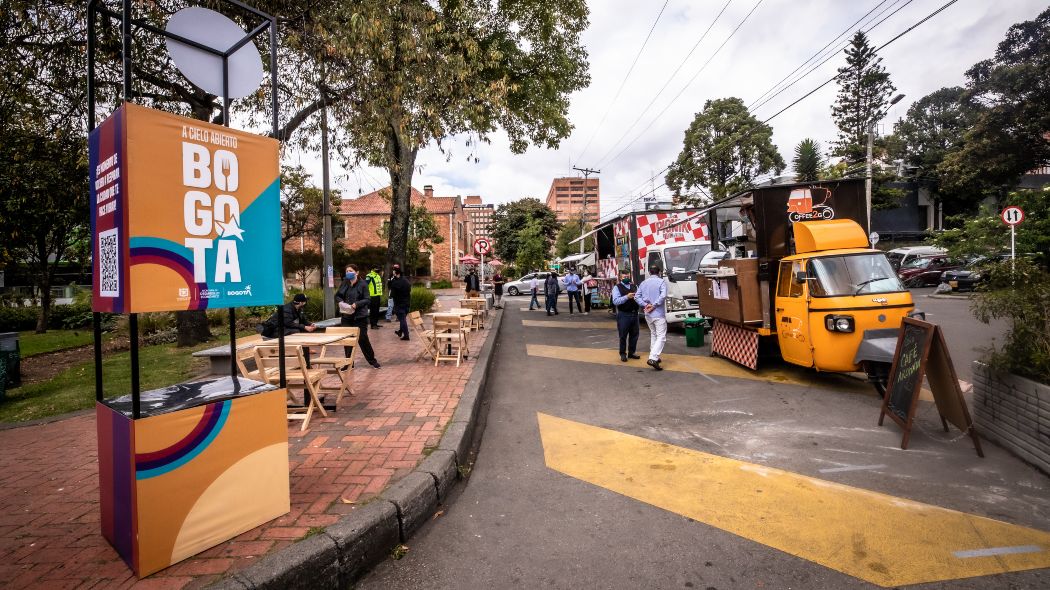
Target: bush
[[314, 310], [1022, 297], [422, 300], [442, 284], [18, 319]]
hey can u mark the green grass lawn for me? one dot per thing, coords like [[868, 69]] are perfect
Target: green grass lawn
[[74, 388], [31, 344]]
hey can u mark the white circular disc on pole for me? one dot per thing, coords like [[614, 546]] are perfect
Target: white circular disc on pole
[[204, 69], [1012, 215], [873, 237]]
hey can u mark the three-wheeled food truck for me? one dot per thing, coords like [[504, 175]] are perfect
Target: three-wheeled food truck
[[802, 279]]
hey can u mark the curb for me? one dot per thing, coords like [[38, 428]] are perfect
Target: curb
[[351, 547], [958, 297]]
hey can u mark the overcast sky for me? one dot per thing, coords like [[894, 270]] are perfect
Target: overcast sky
[[778, 37]]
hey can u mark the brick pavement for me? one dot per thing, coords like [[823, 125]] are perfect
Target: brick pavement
[[49, 529]]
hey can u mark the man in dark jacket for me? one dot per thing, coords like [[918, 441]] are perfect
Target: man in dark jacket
[[401, 293], [352, 300], [473, 284], [623, 295], [550, 289], [294, 321]]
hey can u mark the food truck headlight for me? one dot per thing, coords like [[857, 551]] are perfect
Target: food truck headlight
[[676, 304], [838, 323]]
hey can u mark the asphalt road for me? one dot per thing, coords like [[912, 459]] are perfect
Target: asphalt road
[[517, 522]]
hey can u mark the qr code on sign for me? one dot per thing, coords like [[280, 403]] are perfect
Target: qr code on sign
[[108, 264]]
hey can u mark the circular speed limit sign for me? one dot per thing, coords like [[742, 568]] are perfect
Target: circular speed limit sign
[[482, 246], [1012, 215]]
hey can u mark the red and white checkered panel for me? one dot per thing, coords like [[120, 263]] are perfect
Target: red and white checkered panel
[[607, 268], [736, 344], [653, 230]]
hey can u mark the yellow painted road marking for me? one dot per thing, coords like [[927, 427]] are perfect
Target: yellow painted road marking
[[885, 540], [568, 324], [707, 365]]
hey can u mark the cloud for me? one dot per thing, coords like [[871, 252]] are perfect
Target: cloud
[[778, 37]]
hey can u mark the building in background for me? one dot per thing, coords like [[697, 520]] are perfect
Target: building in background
[[364, 216], [572, 197], [480, 215]]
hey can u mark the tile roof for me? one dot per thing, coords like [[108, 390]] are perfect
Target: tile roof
[[374, 203]]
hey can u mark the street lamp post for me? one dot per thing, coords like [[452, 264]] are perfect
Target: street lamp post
[[867, 176]]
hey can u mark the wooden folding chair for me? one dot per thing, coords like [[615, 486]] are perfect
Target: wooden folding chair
[[268, 357], [341, 365], [424, 337], [449, 341]]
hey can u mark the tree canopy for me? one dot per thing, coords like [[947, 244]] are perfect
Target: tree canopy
[[725, 149], [862, 100], [302, 205], [569, 232], [511, 218], [424, 71], [1009, 136]]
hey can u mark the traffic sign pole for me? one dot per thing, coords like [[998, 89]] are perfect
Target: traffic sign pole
[[1013, 254], [1012, 216]]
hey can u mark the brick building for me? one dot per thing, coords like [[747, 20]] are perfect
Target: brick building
[[572, 197], [481, 215], [364, 216]]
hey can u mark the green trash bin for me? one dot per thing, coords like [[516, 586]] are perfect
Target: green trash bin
[[10, 362], [694, 332]]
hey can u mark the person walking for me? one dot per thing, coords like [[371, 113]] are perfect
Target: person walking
[[550, 290], [352, 301], [588, 287], [534, 286], [572, 289], [473, 284], [294, 321], [390, 299], [375, 296], [401, 294], [651, 296], [623, 297], [497, 289]]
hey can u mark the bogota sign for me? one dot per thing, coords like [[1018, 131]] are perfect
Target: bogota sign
[[184, 214]]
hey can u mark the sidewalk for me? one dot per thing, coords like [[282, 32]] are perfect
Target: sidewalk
[[49, 530]]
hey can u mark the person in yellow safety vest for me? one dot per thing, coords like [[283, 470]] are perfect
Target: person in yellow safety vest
[[375, 294]]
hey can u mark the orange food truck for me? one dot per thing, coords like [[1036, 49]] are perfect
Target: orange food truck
[[802, 280]]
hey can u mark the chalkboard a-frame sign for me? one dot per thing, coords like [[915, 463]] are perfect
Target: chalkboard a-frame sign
[[921, 351]]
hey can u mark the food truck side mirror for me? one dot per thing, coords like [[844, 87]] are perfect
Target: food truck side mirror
[[801, 276]]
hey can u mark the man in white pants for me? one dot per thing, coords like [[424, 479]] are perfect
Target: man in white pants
[[651, 295]]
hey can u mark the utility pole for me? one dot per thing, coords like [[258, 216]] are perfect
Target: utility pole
[[328, 280], [583, 210]]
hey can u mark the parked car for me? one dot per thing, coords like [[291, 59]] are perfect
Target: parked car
[[964, 279], [521, 286], [899, 257], [709, 263], [925, 271]]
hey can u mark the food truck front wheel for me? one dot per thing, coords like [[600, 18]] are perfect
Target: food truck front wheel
[[878, 375]]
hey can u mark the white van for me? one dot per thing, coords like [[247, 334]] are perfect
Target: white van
[[901, 256]]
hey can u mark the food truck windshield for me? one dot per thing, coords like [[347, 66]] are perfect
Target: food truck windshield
[[682, 262], [852, 275]]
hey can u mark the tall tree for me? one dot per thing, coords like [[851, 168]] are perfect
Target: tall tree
[[808, 161], [1009, 137], [43, 179], [429, 70], [569, 232], [862, 101], [510, 218], [423, 234], [302, 205], [934, 127], [532, 246], [725, 149]]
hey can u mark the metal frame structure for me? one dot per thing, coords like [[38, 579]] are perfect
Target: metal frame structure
[[267, 23]]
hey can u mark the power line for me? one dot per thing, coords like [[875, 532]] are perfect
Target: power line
[[800, 99], [819, 52], [668, 82], [832, 55], [623, 82], [689, 83]]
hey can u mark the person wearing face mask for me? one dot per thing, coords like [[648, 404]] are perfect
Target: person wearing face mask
[[623, 295], [352, 299]]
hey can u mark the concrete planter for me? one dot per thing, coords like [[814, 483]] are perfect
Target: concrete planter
[[1014, 412]]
